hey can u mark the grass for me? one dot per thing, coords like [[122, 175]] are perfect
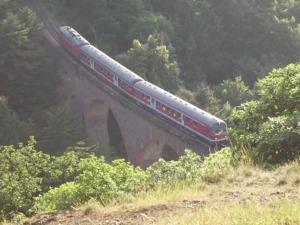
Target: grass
[[282, 212], [162, 195]]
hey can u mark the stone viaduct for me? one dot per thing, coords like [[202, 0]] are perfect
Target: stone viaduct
[[120, 125], [116, 122]]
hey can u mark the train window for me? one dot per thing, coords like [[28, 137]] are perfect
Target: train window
[[85, 59]]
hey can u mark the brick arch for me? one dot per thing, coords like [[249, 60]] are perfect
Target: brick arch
[[155, 149]]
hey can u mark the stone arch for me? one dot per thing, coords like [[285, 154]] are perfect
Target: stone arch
[[154, 150], [169, 153], [116, 141], [96, 121]]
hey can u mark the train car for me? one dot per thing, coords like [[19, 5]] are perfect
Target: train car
[[110, 69], [71, 40], [211, 129]]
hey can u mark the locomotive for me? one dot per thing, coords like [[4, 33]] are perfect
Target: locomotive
[[210, 129]]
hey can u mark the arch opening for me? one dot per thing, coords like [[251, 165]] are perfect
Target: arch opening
[[116, 141], [155, 150], [168, 153]]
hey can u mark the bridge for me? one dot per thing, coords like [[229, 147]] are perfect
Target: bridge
[[120, 125]]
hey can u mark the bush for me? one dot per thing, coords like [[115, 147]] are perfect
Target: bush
[[63, 197], [270, 125], [186, 169], [191, 168], [98, 180], [217, 165], [279, 138], [21, 175]]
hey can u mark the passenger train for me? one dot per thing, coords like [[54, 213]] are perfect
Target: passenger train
[[210, 129]]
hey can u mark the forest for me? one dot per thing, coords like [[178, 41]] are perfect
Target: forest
[[238, 60]]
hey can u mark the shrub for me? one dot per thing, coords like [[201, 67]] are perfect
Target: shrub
[[98, 180], [21, 175], [128, 179], [279, 138], [63, 197], [217, 165], [270, 125], [186, 169]]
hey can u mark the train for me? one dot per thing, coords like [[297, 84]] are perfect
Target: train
[[208, 128]]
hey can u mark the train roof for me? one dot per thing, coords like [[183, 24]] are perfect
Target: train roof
[[115, 67], [73, 35], [178, 103]]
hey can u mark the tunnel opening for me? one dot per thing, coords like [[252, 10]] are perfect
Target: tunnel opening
[[169, 153], [116, 142]]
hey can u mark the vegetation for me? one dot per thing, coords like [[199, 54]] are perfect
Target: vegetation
[[238, 60], [270, 125]]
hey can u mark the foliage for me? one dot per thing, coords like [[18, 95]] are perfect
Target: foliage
[[26, 77], [11, 122], [22, 171], [154, 61], [60, 128], [233, 91], [271, 123], [63, 197], [217, 166], [191, 168], [96, 179], [206, 99], [215, 41], [64, 168], [106, 182], [187, 168], [25, 173]]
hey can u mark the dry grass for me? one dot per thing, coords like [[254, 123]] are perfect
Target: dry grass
[[284, 212]]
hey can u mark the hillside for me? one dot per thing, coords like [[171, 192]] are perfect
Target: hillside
[[250, 195]]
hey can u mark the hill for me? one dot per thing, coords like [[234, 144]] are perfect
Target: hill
[[249, 195]]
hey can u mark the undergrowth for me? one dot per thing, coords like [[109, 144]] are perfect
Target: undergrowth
[[108, 182]]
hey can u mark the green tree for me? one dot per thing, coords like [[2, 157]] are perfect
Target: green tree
[[233, 91], [154, 61], [150, 23], [104, 23], [60, 127], [21, 177], [207, 100], [270, 124], [12, 129], [25, 75]]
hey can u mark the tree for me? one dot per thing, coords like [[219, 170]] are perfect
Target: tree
[[154, 61], [60, 127], [104, 23], [25, 75], [270, 125], [233, 91], [12, 130], [21, 176]]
